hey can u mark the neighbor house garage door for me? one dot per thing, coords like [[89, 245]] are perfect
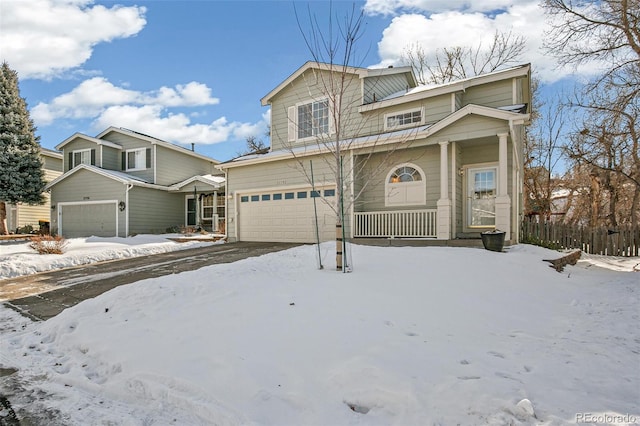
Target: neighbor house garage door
[[286, 216], [86, 219]]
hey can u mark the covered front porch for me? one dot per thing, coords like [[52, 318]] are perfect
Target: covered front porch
[[444, 192], [204, 203]]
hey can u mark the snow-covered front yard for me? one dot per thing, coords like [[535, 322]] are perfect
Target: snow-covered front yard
[[413, 336], [17, 258]]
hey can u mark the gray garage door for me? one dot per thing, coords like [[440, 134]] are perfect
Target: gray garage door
[[85, 220], [286, 216]]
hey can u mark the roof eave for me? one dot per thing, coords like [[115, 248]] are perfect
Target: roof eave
[[97, 141], [266, 100], [388, 138]]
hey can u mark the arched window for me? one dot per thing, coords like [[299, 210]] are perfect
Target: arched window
[[405, 186]]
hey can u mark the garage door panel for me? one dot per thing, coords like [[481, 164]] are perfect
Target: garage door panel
[[84, 220], [290, 220]]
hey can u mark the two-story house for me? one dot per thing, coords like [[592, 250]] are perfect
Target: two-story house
[[123, 183], [441, 162]]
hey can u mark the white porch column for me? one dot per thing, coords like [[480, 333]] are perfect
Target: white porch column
[[503, 201], [444, 203]]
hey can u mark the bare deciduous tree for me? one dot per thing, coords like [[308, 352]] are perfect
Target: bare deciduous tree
[[333, 48], [606, 140], [543, 153], [455, 63]]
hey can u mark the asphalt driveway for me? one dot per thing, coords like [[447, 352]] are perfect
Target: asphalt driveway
[[45, 295]]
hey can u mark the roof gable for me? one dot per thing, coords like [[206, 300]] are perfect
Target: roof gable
[[154, 141], [84, 137], [121, 177], [360, 72]]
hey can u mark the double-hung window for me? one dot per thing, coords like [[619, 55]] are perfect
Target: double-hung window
[[136, 159], [403, 119], [313, 119]]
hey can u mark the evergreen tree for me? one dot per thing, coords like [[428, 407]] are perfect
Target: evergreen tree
[[21, 174]]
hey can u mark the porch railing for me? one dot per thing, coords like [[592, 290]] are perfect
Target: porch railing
[[401, 223]]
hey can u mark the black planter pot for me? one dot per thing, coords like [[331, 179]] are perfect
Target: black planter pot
[[493, 240]]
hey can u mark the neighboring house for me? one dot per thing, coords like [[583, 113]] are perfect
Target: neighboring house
[[21, 216], [440, 162], [122, 183]]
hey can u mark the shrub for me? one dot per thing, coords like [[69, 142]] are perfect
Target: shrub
[[46, 244], [27, 229]]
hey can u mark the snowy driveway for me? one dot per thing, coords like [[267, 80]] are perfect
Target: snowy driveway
[[45, 295]]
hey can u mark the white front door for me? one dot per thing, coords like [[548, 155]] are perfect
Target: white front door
[[482, 188]]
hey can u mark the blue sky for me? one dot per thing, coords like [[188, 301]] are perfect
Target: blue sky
[[195, 71]]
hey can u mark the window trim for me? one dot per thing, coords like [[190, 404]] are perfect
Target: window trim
[[295, 124], [389, 186], [403, 126], [79, 151], [143, 159]]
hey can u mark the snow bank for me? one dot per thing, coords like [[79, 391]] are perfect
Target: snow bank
[[19, 259]]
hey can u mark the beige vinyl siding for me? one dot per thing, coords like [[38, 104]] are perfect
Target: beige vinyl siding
[[52, 163], [84, 185], [32, 215], [488, 153], [307, 87], [434, 110], [472, 127], [380, 87], [173, 166], [373, 196], [495, 94], [152, 211]]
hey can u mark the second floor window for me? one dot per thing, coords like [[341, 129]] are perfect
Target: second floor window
[[81, 157], [313, 119], [136, 159], [403, 119]]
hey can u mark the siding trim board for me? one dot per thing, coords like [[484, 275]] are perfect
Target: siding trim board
[[388, 138]]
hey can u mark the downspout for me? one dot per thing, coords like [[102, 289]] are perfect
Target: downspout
[[126, 210]]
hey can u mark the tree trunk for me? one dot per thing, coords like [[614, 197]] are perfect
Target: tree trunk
[[3, 218]]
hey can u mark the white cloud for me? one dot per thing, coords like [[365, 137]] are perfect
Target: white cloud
[[392, 7], [151, 112], [92, 97], [43, 38], [154, 120], [461, 28], [258, 129]]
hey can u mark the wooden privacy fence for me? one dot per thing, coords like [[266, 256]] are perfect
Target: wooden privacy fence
[[621, 241]]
